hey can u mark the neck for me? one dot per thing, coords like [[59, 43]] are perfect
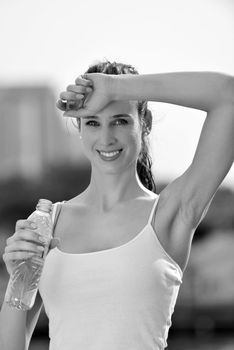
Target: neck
[[107, 190]]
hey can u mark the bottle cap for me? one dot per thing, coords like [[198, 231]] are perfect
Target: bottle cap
[[44, 205]]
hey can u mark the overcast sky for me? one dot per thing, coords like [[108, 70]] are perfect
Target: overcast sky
[[53, 41]]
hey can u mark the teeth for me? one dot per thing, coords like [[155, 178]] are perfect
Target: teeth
[[109, 154]]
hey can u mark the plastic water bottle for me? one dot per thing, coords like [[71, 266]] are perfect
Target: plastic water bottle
[[23, 284]]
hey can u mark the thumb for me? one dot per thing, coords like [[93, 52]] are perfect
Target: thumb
[[55, 242], [77, 114]]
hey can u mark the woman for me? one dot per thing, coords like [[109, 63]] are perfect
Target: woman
[[113, 281]]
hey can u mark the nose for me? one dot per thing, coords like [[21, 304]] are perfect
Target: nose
[[107, 137]]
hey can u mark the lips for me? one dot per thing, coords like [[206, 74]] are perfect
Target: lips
[[111, 155]]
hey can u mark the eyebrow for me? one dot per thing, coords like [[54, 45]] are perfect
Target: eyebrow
[[114, 116]]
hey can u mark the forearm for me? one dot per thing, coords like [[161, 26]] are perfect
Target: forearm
[[12, 328], [200, 90]]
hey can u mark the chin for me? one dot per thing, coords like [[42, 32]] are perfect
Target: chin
[[115, 169]]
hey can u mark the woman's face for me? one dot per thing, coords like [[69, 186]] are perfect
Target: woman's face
[[111, 140]]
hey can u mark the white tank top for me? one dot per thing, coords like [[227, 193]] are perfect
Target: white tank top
[[115, 299]]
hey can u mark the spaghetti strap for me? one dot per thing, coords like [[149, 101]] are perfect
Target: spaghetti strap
[[55, 214], [153, 211], [54, 209]]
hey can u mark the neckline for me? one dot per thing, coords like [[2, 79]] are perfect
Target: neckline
[[109, 249], [148, 223]]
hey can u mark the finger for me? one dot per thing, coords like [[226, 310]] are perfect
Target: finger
[[25, 224], [61, 104], [26, 235], [67, 105], [68, 95], [55, 242], [79, 89], [83, 112], [71, 113], [23, 255], [24, 246], [83, 80], [70, 105]]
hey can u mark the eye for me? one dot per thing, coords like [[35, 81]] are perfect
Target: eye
[[120, 121], [92, 123]]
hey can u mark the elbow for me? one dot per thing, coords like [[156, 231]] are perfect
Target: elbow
[[223, 92], [228, 90]]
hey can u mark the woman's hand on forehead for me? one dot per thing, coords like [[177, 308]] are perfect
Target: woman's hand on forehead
[[73, 98], [90, 94]]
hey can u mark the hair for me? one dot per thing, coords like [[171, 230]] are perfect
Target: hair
[[144, 162]]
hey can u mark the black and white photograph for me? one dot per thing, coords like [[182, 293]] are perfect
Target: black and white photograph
[[117, 175]]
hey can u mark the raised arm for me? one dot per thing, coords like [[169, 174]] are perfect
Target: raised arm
[[207, 91], [199, 90]]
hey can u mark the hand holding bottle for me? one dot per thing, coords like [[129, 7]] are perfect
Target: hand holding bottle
[[25, 256], [22, 245]]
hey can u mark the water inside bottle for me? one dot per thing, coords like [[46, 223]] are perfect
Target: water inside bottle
[[22, 288]]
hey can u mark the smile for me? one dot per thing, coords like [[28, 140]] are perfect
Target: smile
[[109, 155]]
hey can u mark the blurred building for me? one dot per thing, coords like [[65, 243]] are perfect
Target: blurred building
[[206, 299], [213, 264], [31, 133], [209, 277]]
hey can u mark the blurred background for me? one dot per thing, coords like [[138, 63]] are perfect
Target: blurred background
[[44, 46]]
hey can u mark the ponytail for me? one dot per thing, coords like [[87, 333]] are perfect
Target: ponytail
[[144, 162]]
